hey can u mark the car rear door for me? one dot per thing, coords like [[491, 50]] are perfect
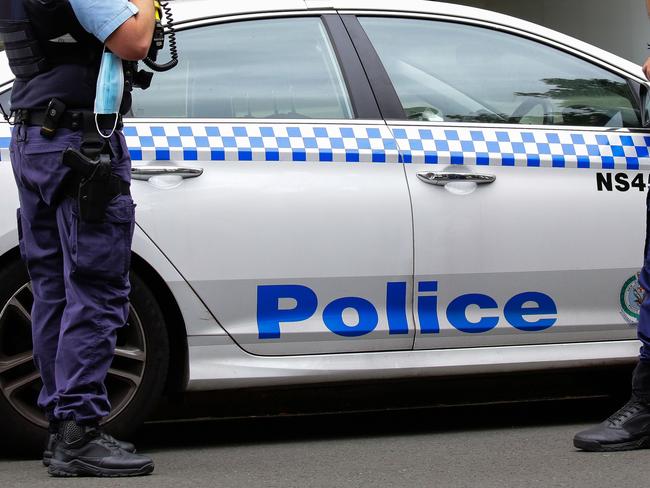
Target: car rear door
[[526, 169], [272, 184]]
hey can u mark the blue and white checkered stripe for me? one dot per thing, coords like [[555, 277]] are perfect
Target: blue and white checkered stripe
[[5, 141], [516, 147], [276, 142], [379, 144]]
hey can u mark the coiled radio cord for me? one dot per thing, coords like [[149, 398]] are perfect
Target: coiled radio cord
[[173, 47]]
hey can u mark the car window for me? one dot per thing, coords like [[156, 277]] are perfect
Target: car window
[[445, 71], [276, 68], [5, 100]]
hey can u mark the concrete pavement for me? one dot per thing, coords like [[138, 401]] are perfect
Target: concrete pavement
[[523, 445]]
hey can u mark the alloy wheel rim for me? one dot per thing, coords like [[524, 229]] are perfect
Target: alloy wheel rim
[[20, 382]]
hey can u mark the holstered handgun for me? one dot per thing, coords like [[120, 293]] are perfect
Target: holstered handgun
[[94, 177]]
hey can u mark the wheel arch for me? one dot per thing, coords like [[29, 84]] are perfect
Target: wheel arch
[[178, 373]]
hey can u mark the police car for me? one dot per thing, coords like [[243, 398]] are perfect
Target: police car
[[337, 190]]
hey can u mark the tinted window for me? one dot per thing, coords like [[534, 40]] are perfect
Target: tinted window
[[5, 100], [446, 71], [280, 68]]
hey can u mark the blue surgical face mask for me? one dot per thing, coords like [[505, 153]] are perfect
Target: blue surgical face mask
[[110, 85]]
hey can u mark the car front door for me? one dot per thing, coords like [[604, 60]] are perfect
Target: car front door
[[266, 185], [526, 169]]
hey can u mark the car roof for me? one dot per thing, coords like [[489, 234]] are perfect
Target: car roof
[[184, 10]]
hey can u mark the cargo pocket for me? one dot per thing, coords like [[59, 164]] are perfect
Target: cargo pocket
[[102, 250], [42, 166], [21, 241]]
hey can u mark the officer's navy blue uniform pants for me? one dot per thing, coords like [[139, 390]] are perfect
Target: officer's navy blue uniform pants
[[644, 280], [79, 274]]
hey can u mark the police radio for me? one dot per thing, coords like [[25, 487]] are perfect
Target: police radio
[[142, 79], [28, 28], [158, 44]]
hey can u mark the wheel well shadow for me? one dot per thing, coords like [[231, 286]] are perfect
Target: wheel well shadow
[[10, 256]]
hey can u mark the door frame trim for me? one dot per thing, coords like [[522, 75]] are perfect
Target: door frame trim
[[362, 98], [382, 86]]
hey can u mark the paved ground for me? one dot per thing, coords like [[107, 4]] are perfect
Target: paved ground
[[523, 445]]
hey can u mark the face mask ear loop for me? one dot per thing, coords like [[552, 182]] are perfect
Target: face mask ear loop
[[117, 117]]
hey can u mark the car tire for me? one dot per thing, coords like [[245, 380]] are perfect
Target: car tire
[[135, 382]]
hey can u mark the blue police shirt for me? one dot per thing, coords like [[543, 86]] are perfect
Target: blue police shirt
[[75, 84], [101, 17]]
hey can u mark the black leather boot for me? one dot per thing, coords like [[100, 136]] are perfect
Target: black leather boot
[[51, 443], [629, 427], [87, 451], [52, 431]]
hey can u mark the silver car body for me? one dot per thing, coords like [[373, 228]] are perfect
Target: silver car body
[[247, 246]]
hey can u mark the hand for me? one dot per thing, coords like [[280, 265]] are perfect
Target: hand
[[646, 68]]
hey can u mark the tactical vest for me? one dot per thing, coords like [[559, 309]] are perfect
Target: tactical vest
[[50, 54]]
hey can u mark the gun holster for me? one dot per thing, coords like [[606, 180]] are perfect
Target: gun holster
[[93, 184], [90, 183]]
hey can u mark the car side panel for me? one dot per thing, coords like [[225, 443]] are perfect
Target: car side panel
[[298, 237], [563, 221]]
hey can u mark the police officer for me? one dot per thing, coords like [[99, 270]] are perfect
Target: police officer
[[629, 427], [77, 255]]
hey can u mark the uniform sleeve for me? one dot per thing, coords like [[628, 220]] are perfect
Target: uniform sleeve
[[102, 17]]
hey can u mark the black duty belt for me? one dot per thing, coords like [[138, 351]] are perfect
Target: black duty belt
[[71, 119]]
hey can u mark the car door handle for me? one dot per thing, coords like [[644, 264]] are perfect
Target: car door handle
[[144, 173], [443, 178]]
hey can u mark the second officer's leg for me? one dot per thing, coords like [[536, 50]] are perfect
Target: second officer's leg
[[629, 427]]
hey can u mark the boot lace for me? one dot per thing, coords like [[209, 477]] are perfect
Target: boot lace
[[628, 410], [109, 439], [102, 437]]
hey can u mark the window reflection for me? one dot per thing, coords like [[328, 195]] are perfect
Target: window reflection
[[280, 68], [591, 102], [454, 72]]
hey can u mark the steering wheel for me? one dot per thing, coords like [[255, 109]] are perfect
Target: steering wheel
[[528, 105]]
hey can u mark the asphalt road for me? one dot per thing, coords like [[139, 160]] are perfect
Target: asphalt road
[[516, 445]]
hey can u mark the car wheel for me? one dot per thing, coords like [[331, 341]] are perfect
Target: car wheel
[[135, 380]]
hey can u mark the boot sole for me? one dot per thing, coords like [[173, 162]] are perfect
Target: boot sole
[[47, 457], [594, 446], [76, 468]]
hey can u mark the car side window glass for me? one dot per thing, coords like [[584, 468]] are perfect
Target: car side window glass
[[275, 69], [453, 72], [5, 100]]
